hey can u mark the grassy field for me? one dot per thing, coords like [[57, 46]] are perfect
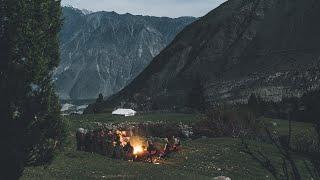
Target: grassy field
[[86, 120], [200, 159], [282, 126]]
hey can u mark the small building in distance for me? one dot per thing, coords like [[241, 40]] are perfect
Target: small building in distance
[[124, 112]]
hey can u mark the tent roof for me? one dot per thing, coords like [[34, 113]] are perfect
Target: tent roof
[[124, 111]]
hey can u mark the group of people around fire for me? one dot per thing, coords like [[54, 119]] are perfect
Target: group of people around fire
[[111, 143]]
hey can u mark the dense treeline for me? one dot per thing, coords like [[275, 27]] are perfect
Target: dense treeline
[[305, 108], [31, 125]]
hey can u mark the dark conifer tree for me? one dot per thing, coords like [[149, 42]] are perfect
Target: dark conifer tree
[[98, 106], [100, 98], [31, 126], [256, 104]]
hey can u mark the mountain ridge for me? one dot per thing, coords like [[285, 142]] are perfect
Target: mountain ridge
[[266, 47], [101, 52]]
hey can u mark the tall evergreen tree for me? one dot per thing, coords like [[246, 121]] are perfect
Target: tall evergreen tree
[[100, 98], [31, 124], [98, 106], [256, 104]]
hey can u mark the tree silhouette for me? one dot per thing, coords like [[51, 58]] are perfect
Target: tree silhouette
[[98, 106], [31, 125], [256, 104]]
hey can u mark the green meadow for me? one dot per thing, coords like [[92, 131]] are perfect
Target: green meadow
[[202, 158]]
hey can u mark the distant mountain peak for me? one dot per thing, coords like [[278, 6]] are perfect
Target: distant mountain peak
[[86, 12], [101, 52]]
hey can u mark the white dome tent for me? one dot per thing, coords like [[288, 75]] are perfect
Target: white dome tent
[[124, 112]]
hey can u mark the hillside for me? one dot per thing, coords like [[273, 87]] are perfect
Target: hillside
[[267, 47], [102, 52]]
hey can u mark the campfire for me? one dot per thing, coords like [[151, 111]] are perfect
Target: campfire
[[137, 150], [138, 143], [124, 144]]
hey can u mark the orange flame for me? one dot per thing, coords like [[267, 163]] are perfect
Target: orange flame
[[123, 137], [137, 150], [138, 144]]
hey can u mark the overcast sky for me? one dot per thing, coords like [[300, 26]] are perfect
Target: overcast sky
[[169, 8]]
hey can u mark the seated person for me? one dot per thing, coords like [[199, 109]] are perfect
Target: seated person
[[128, 150], [117, 150], [177, 143], [151, 150], [167, 148]]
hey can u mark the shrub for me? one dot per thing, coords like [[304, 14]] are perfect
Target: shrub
[[234, 122]]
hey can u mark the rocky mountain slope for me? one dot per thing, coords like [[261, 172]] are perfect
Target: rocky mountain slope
[[267, 47], [102, 52]]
